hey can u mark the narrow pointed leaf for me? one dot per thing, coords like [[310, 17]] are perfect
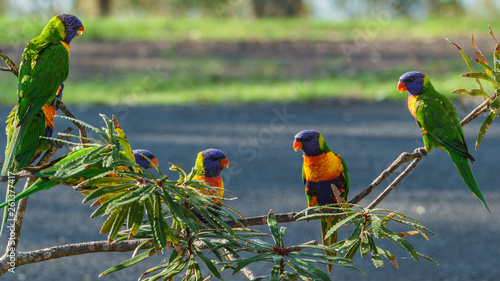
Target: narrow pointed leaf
[[128, 262], [484, 127]]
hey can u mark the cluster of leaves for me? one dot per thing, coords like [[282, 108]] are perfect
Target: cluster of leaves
[[368, 225], [490, 75]]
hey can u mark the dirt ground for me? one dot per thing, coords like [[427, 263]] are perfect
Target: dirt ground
[[301, 59]]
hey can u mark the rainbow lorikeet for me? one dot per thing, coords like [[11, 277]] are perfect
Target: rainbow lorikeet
[[209, 163], [53, 176], [436, 117], [320, 170], [44, 67]]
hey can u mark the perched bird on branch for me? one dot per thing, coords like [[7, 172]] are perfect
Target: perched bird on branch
[[320, 170], [77, 173], [44, 67], [209, 164], [436, 117]]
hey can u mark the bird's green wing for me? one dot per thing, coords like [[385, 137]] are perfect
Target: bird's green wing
[[345, 173], [441, 126], [41, 73]]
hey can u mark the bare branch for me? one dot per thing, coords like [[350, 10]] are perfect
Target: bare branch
[[70, 250], [11, 65], [396, 181], [403, 158]]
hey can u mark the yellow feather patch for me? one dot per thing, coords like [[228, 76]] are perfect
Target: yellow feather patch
[[324, 167], [66, 45]]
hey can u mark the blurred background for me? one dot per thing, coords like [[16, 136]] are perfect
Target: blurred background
[[245, 76]]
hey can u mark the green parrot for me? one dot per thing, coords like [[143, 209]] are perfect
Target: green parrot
[[436, 117], [320, 170], [53, 175], [44, 67]]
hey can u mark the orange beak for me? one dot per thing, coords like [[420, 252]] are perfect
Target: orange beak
[[154, 160], [224, 163], [402, 87], [297, 145], [80, 31]]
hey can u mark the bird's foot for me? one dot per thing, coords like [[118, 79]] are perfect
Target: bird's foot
[[421, 152], [56, 102]]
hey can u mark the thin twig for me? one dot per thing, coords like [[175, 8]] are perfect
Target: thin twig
[[83, 132], [393, 184], [11, 65], [403, 158]]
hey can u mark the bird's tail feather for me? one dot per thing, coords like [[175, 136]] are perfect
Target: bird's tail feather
[[465, 171], [38, 185], [326, 224]]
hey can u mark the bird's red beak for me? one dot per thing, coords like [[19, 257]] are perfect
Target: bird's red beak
[[224, 163], [154, 160], [80, 31], [297, 145], [402, 87]]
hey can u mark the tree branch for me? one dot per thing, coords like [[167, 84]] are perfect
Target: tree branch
[[56, 252], [11, 65]]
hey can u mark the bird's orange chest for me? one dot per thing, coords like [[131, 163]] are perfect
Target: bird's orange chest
[[324, 167], [412, 103], [213, 182], [49, 112]]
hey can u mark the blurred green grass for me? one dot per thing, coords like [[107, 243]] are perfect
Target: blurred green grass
[[158, 29], [203, 80]]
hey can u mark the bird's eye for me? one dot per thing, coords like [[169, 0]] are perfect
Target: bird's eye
[[213, 158], [411, 79], [308, 139], [142, 158]]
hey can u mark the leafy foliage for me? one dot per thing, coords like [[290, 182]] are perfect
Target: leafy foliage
[[369, 225], [490, 75], [283, 257]]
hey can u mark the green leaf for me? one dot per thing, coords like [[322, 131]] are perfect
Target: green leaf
[[136, 219], [244, 262], [132, 196], [364, 247], [320, 275], [496, 57], [472, 92], [467, 61], [118, 223], [277, 259], [105, 190], [275, 273], [377, 260], [480, 75], [108, 223], [335, 227], [427, 258], [388, 255], [210, 265], [273, 227], [128, 262], [396, 239], [352, 249], [100, 132], [484, 127]]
